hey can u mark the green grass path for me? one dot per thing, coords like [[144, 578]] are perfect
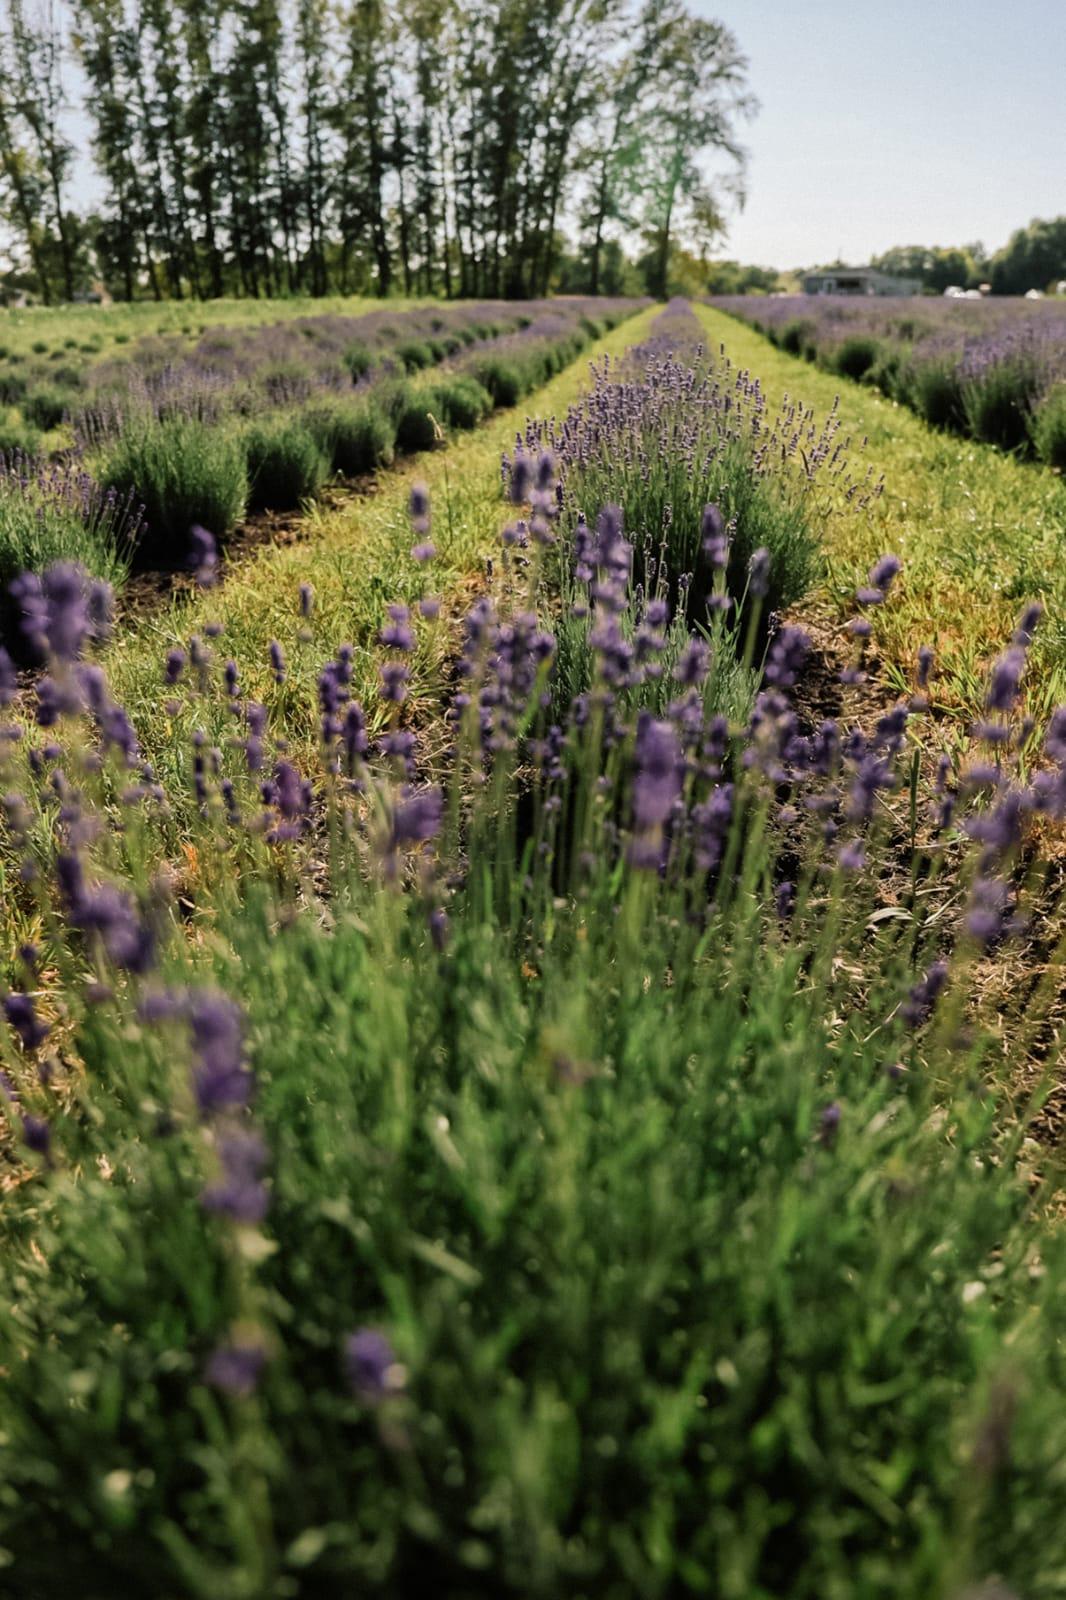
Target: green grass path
[[978, 532]]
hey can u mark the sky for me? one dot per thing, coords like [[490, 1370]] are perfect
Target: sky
[[888, 122]]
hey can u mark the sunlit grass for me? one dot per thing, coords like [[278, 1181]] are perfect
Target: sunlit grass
[[979, 533]]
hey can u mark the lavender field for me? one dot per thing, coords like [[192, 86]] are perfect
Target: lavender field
[[183, 433], [543, 1093], [993, 369]]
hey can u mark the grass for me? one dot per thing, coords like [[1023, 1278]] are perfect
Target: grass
[[979, 534]]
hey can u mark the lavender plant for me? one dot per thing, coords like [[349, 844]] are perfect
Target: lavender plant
[[50, 512], [566, 1161], [986, 369]]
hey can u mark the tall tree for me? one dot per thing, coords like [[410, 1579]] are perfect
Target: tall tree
[[34, 81], [696, 96]]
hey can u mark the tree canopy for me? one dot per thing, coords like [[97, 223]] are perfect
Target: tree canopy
[[266, 147]]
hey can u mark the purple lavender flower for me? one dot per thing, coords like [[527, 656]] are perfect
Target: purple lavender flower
[[925, 666], [236, 1368], [1005, 679], [429, 607], [759, 573], [56, 615], [37, 1135], [20, 1012], [370, 1365], [203, 556], [521, 479], [657, 784], [175, 666], [397, 633], [395, 676], [417, 815], [307, 600], [353, 735], [788, 653], [883, 572], [852, 856], [923, 996], [987, 912], [1027, 624], [290, 793], [713, 537], [418, 507], [239, 1193], [277, 661], [829, 1123], [221, 1080], [692, 664]]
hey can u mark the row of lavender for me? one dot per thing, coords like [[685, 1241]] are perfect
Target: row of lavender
[[575, 1166], [260, 420], [226, 370], [993, 369]]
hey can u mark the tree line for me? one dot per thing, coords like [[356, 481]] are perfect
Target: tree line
[[274, 147], [1033, 258]]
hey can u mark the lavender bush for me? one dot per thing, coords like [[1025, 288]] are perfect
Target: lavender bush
[[50, 512], [571, 1162], [987, 369], [193, 441]]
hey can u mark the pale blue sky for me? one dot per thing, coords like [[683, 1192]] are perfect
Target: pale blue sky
[[897, 122]]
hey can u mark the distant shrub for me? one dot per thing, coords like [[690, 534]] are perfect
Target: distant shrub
[[414, 425], [414, 353], [286, 464], [502, 377], [70, 377], [997, 403], [793, 335], [12, 388], [46, 407], [1049, 429], [885, 374], [185, 472], [356, 435], [359, 359], [16, 436], [463, 402], [467, 335], [122, 338], [39, 347], [935, 391], [855, 356], [284, 381], [70, 344]]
